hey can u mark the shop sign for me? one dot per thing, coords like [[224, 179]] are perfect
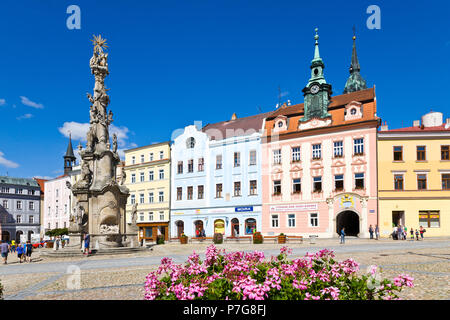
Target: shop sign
[[243, 209], [295, 207]]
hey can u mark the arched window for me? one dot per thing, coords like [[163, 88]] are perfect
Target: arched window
[[250, 226], [190, 143], [219, 226]]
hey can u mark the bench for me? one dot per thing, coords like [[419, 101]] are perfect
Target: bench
[[239, 239], [294, 238], [199, 239], [274, 238]]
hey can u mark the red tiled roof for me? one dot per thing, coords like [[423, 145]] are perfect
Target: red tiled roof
[[419, 129], [40, 183], [235, 128]]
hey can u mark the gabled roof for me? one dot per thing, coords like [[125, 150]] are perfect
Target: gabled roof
[[19, 181], [235, 128]]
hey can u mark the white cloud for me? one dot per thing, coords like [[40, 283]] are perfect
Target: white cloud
[[30, 103], [7, 163], [25, 116], [43, 177], [2, 102], [76, 129]]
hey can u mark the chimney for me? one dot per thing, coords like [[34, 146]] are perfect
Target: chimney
[[447, 123], [384, 127], [234, 117], [416, 123]]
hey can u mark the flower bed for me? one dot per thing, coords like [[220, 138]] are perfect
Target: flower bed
[[241, 276]]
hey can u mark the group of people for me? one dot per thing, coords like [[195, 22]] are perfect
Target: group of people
[[23, 251], [401, 232], [200, 233], [374, 231]]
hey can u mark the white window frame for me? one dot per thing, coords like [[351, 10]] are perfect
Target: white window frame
[[310, 219], [317, 151], [275, 219], [252, 158], [161, 174], [141, 198], [141, 176], [358, 146], [151, 197], [338, 149], [151, 175], [296, 154], [289, 220], [161, 196], [277, 156]]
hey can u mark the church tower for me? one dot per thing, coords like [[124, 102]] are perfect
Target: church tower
[[355, 82], [317, 92], [69, 158]]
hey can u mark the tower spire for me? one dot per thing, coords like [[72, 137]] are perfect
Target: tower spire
[[355, 82], [69, 157]]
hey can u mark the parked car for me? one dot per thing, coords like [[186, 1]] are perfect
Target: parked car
[[38, 244]]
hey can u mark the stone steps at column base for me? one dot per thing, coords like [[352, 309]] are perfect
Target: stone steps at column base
[[64, 253]]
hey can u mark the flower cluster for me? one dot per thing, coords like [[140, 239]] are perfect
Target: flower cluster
[[243, 276]]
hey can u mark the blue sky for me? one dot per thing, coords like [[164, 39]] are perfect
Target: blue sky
[[175, 62]]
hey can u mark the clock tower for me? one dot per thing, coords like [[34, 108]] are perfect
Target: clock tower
[[317, 92]]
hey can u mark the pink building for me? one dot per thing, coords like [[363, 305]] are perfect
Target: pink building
[[319, 160], [57, 203]]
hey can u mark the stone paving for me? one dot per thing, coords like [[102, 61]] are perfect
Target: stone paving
[[122, 277]]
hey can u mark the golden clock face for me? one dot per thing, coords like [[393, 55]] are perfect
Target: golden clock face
[[314, 89]]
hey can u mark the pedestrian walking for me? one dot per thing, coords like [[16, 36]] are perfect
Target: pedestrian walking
[[399, 233], [29, 250], [422, 231], [417, 235], [371, 231], [342, 235], [377, 232], [394, 233], [411, 231], [87, 240], [4, 249], [20, 252], [13, 246]]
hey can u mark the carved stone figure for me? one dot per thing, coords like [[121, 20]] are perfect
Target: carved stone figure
[[134, 214], [114, 143]]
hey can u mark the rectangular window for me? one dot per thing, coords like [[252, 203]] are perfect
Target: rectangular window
[[151, 156], [201, 164], [141, 198], [338, 149], [219, 161], [421, 153], [445, 152], [56, 225], [219, 190], [5, 190], [19, 205], [56, 211], [317, 151], [180, 167], [191, 165], [295, 154], [179, 193], [200, 192], [142, 158], [151, 198], [161, 155], [359, 180], [277, 156], [133, 160], [31, 219], [237, 159], [398, 182], [31, 205], [5, 204], [296, 185], [141, 217], [421, 181], [339, 182], [150, 216], [161, 215], [429, 219], [398, 153], [358, 146], [253, 187], [291, 220], [190, 193], [142, 176], [317, 184], [148, 232], [277, 187], [275, 221], [161, 174], [133, 199], [237, 188], [18, 218], [446, 181], [313, 219], [133, 178], [150, 176], [252, 161], [161, 196], [65, 209]]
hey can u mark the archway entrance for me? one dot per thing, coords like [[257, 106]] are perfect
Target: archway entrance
[[234, 227], [348, 220], [219, 226], [29, 235], [250, 226], [18, 234], [180, 228], [198, 226]]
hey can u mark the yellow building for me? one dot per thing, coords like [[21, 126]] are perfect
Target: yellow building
[[147, 172], [414, 177]]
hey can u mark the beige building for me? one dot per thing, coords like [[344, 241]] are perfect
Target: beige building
[[147, 172]]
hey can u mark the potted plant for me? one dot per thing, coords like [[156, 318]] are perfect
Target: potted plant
[[257, 238], [160, 239], [183, 238], [218, 238], [282, 238]]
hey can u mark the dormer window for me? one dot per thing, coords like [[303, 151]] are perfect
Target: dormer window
[[280, 124], [353, 111]]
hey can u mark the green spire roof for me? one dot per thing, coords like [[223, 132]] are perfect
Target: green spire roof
[[317, 64], [355, 82]]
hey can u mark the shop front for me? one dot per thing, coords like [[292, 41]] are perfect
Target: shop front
[[148, 232]]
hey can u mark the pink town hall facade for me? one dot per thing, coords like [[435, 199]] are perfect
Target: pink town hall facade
[[319, 169]]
